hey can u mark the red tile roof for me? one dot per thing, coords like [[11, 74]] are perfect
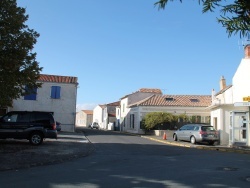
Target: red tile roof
[[223, 90], [58, 79], [111, 114], [114, 103], [89, 112], [150, 90], [110, 104], [175, 100], [146, 90]]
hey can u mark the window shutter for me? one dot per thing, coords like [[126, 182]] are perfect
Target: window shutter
[[55, 92]]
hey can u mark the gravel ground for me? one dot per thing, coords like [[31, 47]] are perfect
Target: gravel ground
[[18, 154]]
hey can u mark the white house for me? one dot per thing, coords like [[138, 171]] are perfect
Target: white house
[[123, 110], [190, 105], [230, 106], [135, 106], [105, 114], [57, 95], [98, 115], [84, 118]]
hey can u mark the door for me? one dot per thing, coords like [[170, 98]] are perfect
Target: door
[[181, 132], [238, 128], [7, 126]]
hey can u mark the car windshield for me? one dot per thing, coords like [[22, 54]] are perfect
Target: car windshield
[[207, 128]]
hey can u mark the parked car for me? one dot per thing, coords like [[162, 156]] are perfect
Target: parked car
[[94, 125], [197, 133], [58, 126], [33, 126]]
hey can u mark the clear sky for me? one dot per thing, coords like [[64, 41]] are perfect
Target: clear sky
[[116, 47]]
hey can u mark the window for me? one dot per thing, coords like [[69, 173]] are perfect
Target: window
[[55, 92], [194, 100], [10, 118], [31, 95], [196, 128], [132, 120], [169, 99]]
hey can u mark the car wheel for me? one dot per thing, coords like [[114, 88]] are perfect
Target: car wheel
[[175, 137], [36, 138], [193, 140]]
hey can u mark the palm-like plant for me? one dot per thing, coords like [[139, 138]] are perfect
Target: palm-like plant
[[235, 17]]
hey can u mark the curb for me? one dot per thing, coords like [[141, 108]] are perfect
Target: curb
[[213, 148]]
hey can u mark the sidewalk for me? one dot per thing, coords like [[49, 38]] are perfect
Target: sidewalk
[[19, 154], [169, 141]]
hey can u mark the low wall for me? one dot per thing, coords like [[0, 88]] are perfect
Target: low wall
[[169, 133]]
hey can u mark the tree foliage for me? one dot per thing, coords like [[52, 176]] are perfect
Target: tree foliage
[[18, 65], [235, 16], [155, 118]]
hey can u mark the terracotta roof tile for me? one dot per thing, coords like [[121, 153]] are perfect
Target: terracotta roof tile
[[150, 90], [175, 100], [223, 90], [111, 114], [90, 112], [145, 90], [114, 104], [58, 79]]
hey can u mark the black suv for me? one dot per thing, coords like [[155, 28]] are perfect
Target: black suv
[[33, 126]]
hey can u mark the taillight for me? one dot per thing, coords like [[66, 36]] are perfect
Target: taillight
[[203, 132], [53, 126]]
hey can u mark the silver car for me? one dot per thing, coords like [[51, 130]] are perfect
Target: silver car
[[197, 133]]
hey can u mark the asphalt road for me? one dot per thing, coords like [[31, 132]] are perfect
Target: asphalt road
[[120, 160]]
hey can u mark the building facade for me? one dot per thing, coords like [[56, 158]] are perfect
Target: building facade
[[105, 115], [189, 105], [84, 118], [57, 95], [230, 106]]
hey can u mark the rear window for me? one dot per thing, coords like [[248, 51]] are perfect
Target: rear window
[[44, 118], [207, 128]]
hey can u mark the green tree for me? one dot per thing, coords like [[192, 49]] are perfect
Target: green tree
[[235, 16], [184, 117], [18, 65], [153, 119]]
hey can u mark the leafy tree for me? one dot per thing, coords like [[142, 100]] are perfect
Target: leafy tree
[[184, 117], [235, 16], [151, 120], [18, 65]]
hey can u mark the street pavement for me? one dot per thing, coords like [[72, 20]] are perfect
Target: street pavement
[[18, 154]]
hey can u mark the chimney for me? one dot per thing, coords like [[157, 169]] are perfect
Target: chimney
[[247, 51], [222, 83]]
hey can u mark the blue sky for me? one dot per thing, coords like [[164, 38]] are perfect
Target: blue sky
[[116, 47]]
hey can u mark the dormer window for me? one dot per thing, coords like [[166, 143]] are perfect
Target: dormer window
[[169, 99], [194, 100]]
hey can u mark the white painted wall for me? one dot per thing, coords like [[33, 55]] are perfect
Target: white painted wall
[[141, 111], [98, 116], [223, 103], [80, 119], [241, 81], [64, 108]]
